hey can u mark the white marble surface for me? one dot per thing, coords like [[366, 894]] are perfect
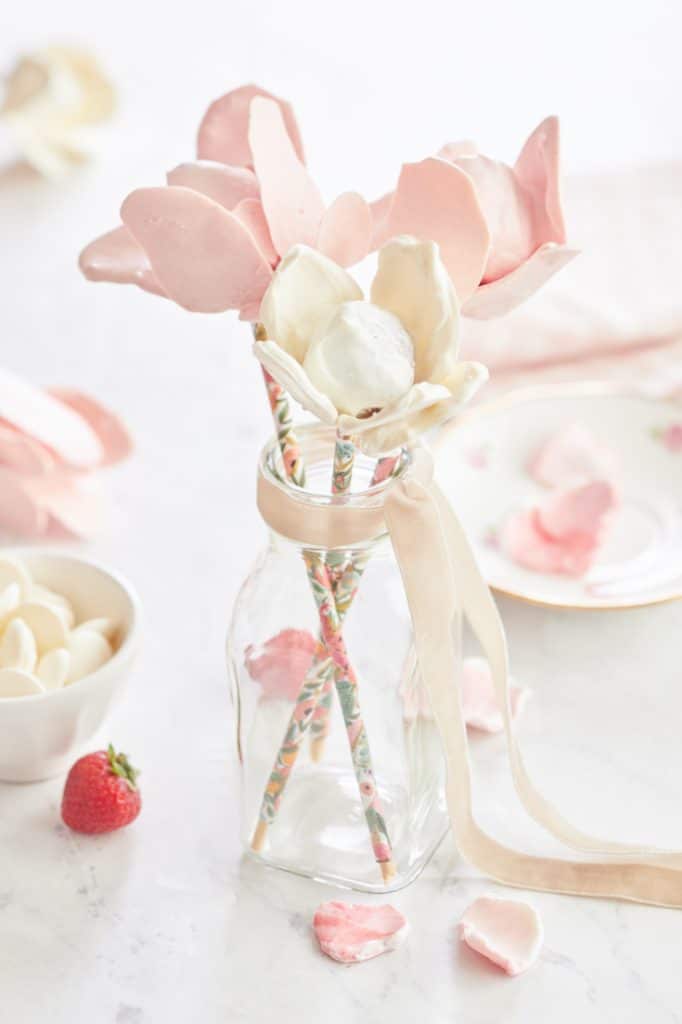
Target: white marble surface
[[165, 921]]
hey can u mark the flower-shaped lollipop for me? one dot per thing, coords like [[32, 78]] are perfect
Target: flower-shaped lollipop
[[49, 99], [383, 371], [511, 218]]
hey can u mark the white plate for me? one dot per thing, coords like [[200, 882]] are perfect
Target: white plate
[[481, 465]]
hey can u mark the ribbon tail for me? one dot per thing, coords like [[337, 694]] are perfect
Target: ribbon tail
[[436, 562]]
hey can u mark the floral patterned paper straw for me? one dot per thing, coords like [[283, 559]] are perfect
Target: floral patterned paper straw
[[347, 688], [281, 414], [318, 675]]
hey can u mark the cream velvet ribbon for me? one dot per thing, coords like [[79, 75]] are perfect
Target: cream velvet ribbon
[[442, 582]]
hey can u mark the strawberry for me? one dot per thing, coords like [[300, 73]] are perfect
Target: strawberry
[[101, 793]]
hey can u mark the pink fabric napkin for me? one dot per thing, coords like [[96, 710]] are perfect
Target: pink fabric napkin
[[615, 313]]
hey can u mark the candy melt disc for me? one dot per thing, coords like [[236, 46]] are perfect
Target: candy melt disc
[[14, 571], [53, 668], [46, 622], [10, 597], [14, 683], [43, 595], [89, 650], [107, 627], [18, 647]]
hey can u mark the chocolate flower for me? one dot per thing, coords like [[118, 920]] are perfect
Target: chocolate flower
[[382, 371]]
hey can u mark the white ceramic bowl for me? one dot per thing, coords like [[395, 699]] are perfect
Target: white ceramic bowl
[[41, 735]]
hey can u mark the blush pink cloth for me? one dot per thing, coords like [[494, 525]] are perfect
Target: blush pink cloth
[[507, 932], [51, 443], [352, 932], [281, 664], [615, 314], [561, 534]]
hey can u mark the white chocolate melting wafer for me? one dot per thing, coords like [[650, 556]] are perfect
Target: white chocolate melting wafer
[[53, 668], [10, 597], [46, 622], [18, 647], [43, 595], [89, 650], [14, 571], [107, 627], [14, 683]]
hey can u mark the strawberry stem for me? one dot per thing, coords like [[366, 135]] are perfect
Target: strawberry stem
[[121, 766]]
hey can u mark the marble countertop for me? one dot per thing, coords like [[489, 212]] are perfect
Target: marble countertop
[[166, 921]]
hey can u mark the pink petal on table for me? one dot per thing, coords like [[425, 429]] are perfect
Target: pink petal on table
[[436, 201], [117, 444], [224, 130], [538, 171], [502, 296], [20, 515], [281, 664], [204, 257], [672, 437], [352, 932], [32, 411], [117, 257], [578, 512], [573, 455], [291, 200], [70, 502], [479, 702], [346, 230], [380, 209], [22, 454], [507, 932], [226, 186], [252, 215]]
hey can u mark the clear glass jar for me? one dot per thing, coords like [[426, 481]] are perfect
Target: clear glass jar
[[319, 827]]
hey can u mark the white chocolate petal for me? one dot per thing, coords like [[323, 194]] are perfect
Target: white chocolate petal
[[88, 650], [14, 683], [508, 932], [10, 598], [18, 647], [305, 290], [107, 627], [506, 293], [43, 595], [53, 668], [12, 570], [46, 622], [294, 379], [412, 282], [424, 406]]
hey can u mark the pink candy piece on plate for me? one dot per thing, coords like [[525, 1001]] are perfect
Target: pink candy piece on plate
[[572, 456], [562, 534], [281, 664], [479, 703], [352, 932], [507, 932]]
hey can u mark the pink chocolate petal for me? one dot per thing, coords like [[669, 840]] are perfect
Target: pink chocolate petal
[[507, 932], [117, 444], [22, 454], [436, 201], [538, 170], [226, 186], [34, 412], [252, 215], [380, 210], [479, 703], [281, 664], [572, 456], [224, 130], [351, 932], [71, 503], [578, 512], [204, 257], [117, 257], [502, 296], [20, 515], [346, 230], [291, 200]]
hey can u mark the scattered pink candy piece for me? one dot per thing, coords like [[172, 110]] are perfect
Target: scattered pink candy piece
[[561, 535], [352, 932], [672, 437], [507, 932], [281, 664], [479, 703], [570, 457]]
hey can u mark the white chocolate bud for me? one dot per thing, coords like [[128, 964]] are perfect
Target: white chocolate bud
[[362, 359]]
